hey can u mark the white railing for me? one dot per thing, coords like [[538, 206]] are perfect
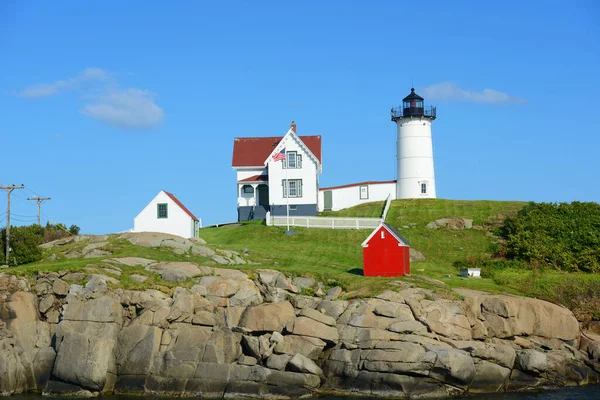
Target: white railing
[[324, 222], [329, 222]]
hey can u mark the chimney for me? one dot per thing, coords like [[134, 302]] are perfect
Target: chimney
[[293, 126]]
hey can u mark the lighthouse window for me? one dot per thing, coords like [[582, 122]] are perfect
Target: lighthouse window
[[423, 188]]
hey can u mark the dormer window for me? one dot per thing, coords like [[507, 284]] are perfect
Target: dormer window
[[293, 160]]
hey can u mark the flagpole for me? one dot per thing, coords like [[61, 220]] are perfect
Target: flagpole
[[287, 184]]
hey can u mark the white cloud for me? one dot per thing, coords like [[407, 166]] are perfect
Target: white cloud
[[127, 108], [51, 89], [451, 91]]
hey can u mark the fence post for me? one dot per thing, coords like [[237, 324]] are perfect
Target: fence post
[[307, 222], [357, 223], [332, 223]]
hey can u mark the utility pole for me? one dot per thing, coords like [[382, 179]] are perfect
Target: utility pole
[[39, 200], [9, 189]]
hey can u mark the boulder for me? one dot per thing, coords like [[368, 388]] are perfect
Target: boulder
[[333, 308], [175, 271], [105, 308], [276, 279], [269, 317], [531, 361], [452, 366], [333, 293], [308, 346], [258, 347], [489, 377], [132, 261], [398, 311], [137, 346], [447, 318], [451, 223], [308, 327], [303, 364], [90, 371], [278, 361], [407, 327], [60, 288], [304, 283], [317, 316]]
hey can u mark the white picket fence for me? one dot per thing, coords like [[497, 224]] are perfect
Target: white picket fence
[[329, 222], [325, 222]]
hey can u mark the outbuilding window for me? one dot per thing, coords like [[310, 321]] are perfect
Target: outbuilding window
[[248, 189], [423, 188], [162, 210]]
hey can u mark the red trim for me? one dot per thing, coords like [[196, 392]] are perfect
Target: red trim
[[356, 184], [180, 204], [256, 178]]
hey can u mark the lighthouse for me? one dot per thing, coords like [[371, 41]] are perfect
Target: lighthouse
[[416, 178]]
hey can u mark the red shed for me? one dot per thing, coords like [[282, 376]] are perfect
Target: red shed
[[386, 253]]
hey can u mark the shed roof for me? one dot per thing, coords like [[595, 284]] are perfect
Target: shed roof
[[252, 151], [391, 230], [180, 204]]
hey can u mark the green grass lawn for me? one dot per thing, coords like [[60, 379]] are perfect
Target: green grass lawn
[[337, 254]]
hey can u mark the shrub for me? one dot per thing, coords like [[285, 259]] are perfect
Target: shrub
[[24, 244], [563, 236]]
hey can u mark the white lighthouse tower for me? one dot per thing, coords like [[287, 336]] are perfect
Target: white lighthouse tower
[[416, 178]]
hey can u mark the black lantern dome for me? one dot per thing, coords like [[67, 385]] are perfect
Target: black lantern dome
[[413, 105]]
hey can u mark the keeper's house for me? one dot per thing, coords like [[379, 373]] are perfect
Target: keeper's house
[[276, 172]]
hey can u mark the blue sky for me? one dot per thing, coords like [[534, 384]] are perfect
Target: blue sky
[[104, 103]]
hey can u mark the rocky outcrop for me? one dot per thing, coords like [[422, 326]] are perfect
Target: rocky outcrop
[[451, 223], [229, 335]]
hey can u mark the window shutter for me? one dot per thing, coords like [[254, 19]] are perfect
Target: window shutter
[[284, 186], [300, 188], [299, 161]]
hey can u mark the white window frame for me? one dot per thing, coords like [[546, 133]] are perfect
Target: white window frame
[[298, 187]]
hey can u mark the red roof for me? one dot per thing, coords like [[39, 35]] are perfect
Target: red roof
[[256, 178], [180, 204], [253, 151], [356, 184]]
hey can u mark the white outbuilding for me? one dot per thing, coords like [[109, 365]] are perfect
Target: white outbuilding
[[166, 214]]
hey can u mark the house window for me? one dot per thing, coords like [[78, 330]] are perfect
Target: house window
[[291, 159], [248, 189], [293, 208], [161, 210], [423, 188], [364, 192], [295, 187]]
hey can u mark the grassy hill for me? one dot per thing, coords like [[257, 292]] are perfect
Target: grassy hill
[[337, 254]]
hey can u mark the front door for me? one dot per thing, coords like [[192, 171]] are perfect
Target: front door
[[328, 200], [263, 195]]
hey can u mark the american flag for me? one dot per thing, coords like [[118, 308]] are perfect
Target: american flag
[[279, 156]]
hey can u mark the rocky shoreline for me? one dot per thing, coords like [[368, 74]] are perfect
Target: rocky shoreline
[[239, 335]]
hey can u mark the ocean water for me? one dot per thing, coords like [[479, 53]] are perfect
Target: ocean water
[[590, 392]]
